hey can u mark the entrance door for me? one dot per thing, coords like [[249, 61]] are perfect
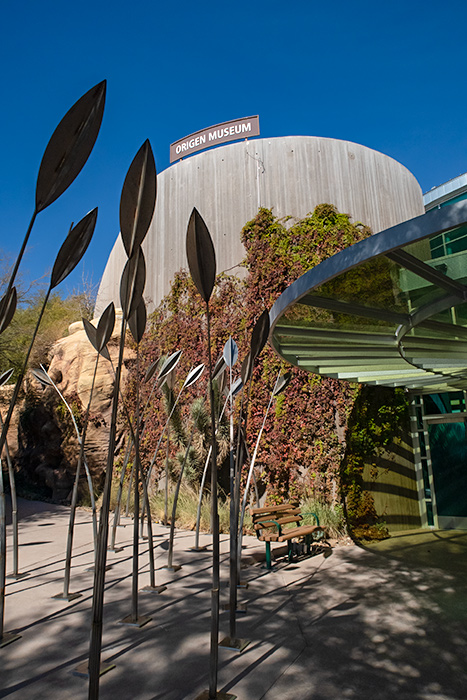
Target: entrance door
[[448, 447]]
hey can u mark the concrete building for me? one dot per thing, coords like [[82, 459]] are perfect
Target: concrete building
[[228, 184]]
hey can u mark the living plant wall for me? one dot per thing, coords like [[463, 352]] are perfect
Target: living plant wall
[[306, 449]]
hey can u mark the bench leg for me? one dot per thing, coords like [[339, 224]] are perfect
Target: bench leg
[[289, 551], [308, 543], [268, 556]]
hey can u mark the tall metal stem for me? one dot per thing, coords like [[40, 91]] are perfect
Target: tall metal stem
[[203, 481], [14, 507], [2, 551], [19, 381], [101, 555], [214, 653], [233, 527], [250, 473], [134, 587], [74, 498], [174, 506]]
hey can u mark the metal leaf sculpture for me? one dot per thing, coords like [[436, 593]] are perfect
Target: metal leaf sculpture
[[193, 376], [282, 383], [259, 335], [132, 283], [4, 377], [42, 377], [247, 369], [230, 352], [201, 255], [169, 365], [137, 322], [219, 368], [7, 308], [105, 327], [70, 146], [236, 387], [73, 248], [151, 370], [138, 199], [91, 332]]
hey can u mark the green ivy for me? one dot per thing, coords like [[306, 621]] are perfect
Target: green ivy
[[321, 430]]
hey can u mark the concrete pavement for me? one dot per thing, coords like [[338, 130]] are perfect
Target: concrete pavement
[[382, 623]]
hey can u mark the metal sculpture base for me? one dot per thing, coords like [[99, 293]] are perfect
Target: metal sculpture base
[[8, 638], [234, 644], [91, 569], [219, 696], [115, 549], [242, 584], [198, 549], [241, 609], [140, 621], [83, 669], [17, 576], [67, 596], [175, 567], [153, 589]]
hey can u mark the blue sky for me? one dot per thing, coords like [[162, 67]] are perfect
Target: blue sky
[[391, 76]]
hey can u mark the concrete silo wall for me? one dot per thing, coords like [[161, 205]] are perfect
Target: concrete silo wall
[[290, 175]]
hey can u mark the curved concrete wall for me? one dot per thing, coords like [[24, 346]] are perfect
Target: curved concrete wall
[[290, 175]]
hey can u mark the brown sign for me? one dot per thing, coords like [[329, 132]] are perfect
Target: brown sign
[[214, 135]]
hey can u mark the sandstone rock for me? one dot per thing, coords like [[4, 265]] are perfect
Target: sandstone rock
[[72, 367]]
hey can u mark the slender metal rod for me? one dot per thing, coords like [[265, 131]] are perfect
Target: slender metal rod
[[19, 381], [101, 555], [214, 652], [20, 254], [166, 489], [174, 505], [120, 493], [2, 551], [203, 481], [233, 526], [238, 476], [82, 455], [14, 506], [134, 587], [74, 497], [250, 473]]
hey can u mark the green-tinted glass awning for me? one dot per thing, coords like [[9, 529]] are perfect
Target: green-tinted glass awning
[[390, 310]]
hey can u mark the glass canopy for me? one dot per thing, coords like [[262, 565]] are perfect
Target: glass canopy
[[390, 310]]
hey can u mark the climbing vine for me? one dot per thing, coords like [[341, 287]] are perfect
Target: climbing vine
[[313, 444]]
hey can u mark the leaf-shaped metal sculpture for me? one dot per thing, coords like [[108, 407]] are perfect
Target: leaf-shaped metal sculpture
[[91, 332], [70, 146], [259, 335], [132, 283], [170, 364], [219, 368], [7, 308], [42, 377], [236, 386], [4, 377], [137, 322], [247, 369], [138, 199], [193, 376], [73, 248], [282, 383], [201, 255], [151, 370], [230, 352], [105, 327]]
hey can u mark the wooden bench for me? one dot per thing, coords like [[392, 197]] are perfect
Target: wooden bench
[[269, 521]]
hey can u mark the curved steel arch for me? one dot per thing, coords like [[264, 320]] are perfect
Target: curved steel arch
[[421, 352]]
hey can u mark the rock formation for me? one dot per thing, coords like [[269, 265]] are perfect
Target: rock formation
[[47, 450]]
